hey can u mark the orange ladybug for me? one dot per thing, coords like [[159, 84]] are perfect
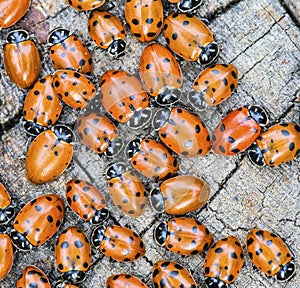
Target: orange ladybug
[[187, 6], [180, 195], [190, 38], [6, 254], [42, 107], [107, 31], [238, 130], [278, 144], [21, 59], [182, 132], [126, 190], [37, 221], [223, 262], [185, 236], [85, 4], [49, 155], [144, 18], [151, 158], [118, 243], [68, 52], [213, 85], [161, 74], [7, 210], [33, 277], [86, 201], [268, 253], [124, 280]]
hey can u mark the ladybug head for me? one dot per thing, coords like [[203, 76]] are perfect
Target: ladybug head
[[259, 115], [73, 276], [209, 54], [114, 147], [286, 272], [32, 128], [97, 236], [160, 118], [20, 241], [215, 283], [139, 118], [168, 97], [157, 201], [6, 214], [58, 35], [117, 48], [115, 170], [256, 156], [63, 133], [17, 36], [160, 233], [100, 216], [188, 5], [132, 147]]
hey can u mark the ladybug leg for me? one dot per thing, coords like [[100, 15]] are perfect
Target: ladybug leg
[[197, 100], [140, 118]]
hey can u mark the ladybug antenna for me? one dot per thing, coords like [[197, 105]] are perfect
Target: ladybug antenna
[[115, 170], [17, 36], [209, 53], [58, 35]]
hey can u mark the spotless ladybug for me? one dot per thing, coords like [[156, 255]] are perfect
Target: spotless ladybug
[[21, 59], [72, 255], [42, 107], [144, 18], [186, 236], [213, 85], [151, 158], [7, 210], [124, 280], [49, 154], [68, 52], [238, 130], [169, 274], [32, 276], [124, 98], [187, 6], [85, 4], [161, 74], [183, 132], [190, 38], [278, 144], [37, 221], [6, 254], [118, 243], [126, 190], [270, 254], [86, 201], [180, 195], [107, 31], [223, 262]]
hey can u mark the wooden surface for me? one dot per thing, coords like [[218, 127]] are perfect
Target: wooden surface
[[262, 40]]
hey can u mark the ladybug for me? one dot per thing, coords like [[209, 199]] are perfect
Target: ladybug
[[68, 52], [72, 255], [126, 190], [144, 18], [180, 195], [151, 158], [21, 59], [42, 107], [171, 275], [73, 88], [161, 74], [6, 255], [33, 277], [190, 38], [187, 6], [238, 130], [124, 280], [86, 201], [183, 132], [12, 11], [107, 31], [85, 4], [279, 144], [37, 221], [223, 262], [213, 85], [185, 236], [268, 253], [49, 154], [118, 243], [7, 210], [124, 99], [62, 284]]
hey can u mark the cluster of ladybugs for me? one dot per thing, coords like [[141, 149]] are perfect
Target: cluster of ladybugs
[[125, 99]]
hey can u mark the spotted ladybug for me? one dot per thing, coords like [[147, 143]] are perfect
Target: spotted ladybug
[[118, 243], [190, 38], [278, 144], [6, 254], [186, 236], [126, 190], [124, 98], [183, 132], [107, 31], [161, 74], [37, 221], [269, 253], [213, 85], [68, 52], [187, 6], [144, 18], [72, 255], [33, 277], [62, 284], [124, 280], [169, 274], [86, 201], [7, 210], [21, 59], [151, 158], [238, 130], [85, 4], [180, 195], [223, 262], [49, 154]]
